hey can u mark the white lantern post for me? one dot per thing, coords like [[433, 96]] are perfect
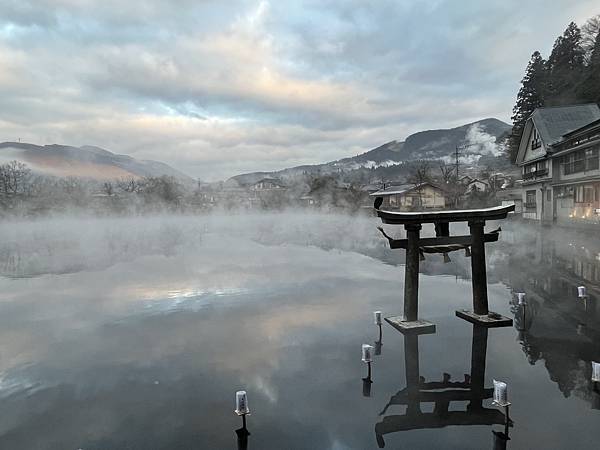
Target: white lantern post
[[501, 396], [377, 317], [595, 372], [367, 357], [521, 297], [582, 294], [241, 409]]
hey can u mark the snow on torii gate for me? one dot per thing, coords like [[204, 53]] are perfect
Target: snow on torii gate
[[444, 243]]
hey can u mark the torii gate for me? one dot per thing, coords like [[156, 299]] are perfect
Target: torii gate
[[444, 243]]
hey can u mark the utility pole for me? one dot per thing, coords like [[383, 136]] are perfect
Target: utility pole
[[456, 181], [456, 161]]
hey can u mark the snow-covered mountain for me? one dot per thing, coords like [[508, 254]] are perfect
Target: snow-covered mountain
[[479, 144]]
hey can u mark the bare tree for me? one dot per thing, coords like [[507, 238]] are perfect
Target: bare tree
[[448, 173], [164, 188], [129, 185], [589, 31], [15, 179], [108, 188], [420, 173]]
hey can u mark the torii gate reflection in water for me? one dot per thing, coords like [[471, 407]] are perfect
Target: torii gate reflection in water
[[444, 243], [441, 393]]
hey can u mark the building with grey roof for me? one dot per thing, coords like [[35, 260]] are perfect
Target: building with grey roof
[[558, 155]]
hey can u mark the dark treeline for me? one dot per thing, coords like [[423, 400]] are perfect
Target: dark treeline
[[570, 75]]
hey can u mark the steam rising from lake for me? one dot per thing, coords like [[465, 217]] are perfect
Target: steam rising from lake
[[62, 245]]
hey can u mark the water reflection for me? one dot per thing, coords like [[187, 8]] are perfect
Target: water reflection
[[145, 352], [555, 326], [442, 393], [379, 342]]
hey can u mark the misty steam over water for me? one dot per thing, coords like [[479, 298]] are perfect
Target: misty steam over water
[[136, 333]]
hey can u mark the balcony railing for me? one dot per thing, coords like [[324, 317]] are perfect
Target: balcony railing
[[535, 174]]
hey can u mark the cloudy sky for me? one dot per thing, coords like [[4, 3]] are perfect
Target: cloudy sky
[[219, 87]]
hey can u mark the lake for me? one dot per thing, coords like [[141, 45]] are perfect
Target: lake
[[136, 333]]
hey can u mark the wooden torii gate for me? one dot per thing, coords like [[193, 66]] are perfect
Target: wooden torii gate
[[444, 243]]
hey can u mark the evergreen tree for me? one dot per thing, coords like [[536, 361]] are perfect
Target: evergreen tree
[[530, 96], [595, 57], [589, 88], [565, 66]]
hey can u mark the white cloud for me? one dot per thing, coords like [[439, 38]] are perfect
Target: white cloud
[[215, 88]]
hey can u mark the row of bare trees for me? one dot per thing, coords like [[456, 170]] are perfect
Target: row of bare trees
[[23, 192], [15, 179]]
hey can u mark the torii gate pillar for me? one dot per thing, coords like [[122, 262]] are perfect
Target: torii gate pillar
[[411, 273], [478, 269]]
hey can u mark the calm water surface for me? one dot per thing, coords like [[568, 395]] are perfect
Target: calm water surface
[[135, 334]]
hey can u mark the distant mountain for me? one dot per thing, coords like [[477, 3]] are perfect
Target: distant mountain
[[478, 142], [390, 151], [86, 162]]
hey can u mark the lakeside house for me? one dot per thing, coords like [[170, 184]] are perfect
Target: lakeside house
[[558, 155], [407, 197]]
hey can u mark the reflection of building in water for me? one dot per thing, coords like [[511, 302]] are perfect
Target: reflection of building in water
[[441, 393], [556, 327], [564, 340]]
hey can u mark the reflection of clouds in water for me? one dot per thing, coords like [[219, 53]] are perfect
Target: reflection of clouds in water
[[18, 382], [265, 387], [263, 311], [73, 314]]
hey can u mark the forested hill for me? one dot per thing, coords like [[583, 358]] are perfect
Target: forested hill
[[570, 75]]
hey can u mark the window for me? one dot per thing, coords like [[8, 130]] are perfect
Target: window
[[529, 171], [573, 162], [530, 201], [535, 139], [585, 194], [591, 159], [588, 194], [548, 195]]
